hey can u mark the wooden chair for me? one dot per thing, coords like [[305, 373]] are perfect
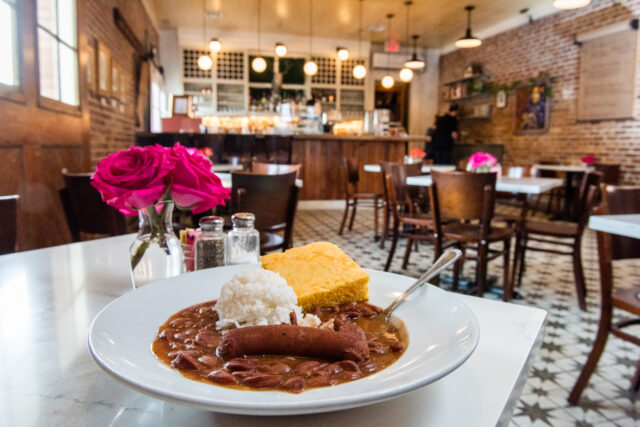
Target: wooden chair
[[556, 233], [467, 201], [274, 168], [8, 223], [616, 200], [610, 173], [418, 226], [352, 196], [84, 209], [273, 199], [555, 196]]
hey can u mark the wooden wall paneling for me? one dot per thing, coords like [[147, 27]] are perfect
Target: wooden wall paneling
[[12, 180]]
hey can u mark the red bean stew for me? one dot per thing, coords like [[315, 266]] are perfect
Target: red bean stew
[[189, 342]]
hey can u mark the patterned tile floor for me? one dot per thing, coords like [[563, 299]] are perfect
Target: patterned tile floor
[[547, 284]]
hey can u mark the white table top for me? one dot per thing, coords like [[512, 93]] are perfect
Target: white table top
[[226, 167], [561, 168], [425, 168], [623, 225], [49, 297], [226, 180], [508, 185]]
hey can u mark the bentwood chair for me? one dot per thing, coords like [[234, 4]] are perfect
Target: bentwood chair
[[467, 200], [352, 196], [610, 173], [557, 233], [84, 209], [273, 199], [8, 223], [616, 200]]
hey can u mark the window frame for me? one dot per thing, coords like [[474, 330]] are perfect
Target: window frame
[[43, 101], [9, 92]]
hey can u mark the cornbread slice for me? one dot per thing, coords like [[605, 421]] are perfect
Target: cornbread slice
[[320, 274]]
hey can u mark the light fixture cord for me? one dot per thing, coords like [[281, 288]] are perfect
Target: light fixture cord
[[259, 22], [310, 27], [407, 32], [204, 21], [468, 19], [360, 28]]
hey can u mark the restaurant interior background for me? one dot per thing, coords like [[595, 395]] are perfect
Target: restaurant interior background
[[520, 39]]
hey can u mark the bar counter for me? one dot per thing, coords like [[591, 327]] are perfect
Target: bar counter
[[319, 154]]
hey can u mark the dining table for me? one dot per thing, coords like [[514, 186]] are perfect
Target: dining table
[[375, 168], [225, 178], [627, 225], [570, 172], [49, 297], [524, 185]]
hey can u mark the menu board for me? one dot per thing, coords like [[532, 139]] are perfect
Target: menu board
[[608, 77]]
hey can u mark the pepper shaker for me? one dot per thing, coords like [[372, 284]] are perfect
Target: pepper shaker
[[244, 240], [210, 244]]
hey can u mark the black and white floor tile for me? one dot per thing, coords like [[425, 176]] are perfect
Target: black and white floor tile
[[548, 284]]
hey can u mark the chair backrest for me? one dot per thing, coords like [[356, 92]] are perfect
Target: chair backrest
[[274, 168], [239, 147], [618, 200], [584, 204], [8, 223], [516, 172], [350, 175], [610, 173], [84, 209], [462, 195], [272, 198], [277, 148], [392, 200]]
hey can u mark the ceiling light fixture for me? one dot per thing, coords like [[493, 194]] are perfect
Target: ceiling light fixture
[[204, 61], [281, 49], [310, 67], [570, 4], [406, 75], [468, 41], [215, 45], [359, 71], [259, 64], [343, 53], [387, 80], [415, 63]]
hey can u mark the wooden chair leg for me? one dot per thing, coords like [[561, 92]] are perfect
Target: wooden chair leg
[[522, 260], [393, 245], [385, 226], [592, 361], [481, 268], [407, 252], [375, 217], [578, 273], [457, 268], [353, 213], [635, 382], [344, 217], [507, 284]]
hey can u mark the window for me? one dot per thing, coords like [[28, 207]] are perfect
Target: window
[[58, 50], [9, 74]]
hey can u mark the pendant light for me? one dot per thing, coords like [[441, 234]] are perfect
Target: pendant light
[[342, 53], [281, 49], [259, 64], [387, 80], [406, 75], [215, 45], [468, 40], [204, 61], [359, 71], [570, 4], [415, 63], [310, 67]]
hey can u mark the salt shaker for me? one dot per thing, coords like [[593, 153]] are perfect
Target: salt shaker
[[210, 244], [244, 240]]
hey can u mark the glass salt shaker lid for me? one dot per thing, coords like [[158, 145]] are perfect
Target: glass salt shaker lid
[[211, 223], [243, 219]]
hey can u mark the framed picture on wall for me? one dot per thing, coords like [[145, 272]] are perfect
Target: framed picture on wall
[[92, 76], [501, 99], [531, 109], [180, 106], [104, 70]]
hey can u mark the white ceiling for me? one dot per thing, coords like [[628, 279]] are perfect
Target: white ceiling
[[438, 22]]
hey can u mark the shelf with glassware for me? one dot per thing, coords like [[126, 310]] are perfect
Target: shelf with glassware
[[466, 88]]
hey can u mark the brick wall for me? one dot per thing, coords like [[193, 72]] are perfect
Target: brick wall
[[547, 45], [112, 124]]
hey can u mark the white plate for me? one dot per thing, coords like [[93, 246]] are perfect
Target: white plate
[[443, 333]]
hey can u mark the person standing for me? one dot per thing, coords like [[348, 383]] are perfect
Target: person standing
[[444, 136]]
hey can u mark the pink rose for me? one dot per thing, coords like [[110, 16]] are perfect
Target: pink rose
[[589, 159], [480, 159], [193, 184], [133, 179]]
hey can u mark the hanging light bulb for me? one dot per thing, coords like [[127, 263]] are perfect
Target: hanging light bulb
[[281, 49], [468, 40], [310, 68], [205, 62], [259, 64], [215, 46], [343, 53], [388, 82], [570, 4], [415, 63], [406, 75], [359, 71]]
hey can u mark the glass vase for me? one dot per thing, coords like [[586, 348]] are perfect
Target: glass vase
[[156, 253]]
